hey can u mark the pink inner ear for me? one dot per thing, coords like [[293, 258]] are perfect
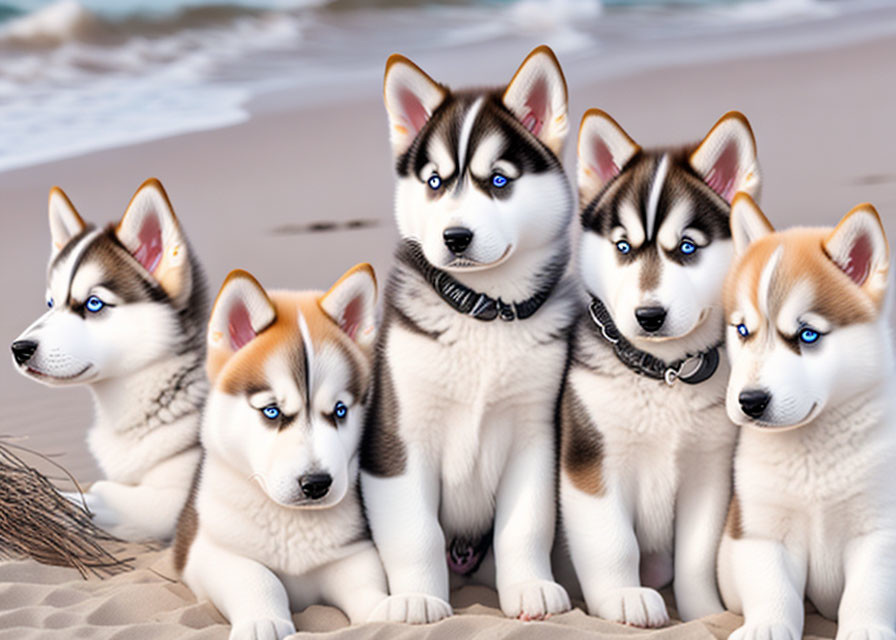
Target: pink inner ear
[[239, 326], [413, 109], [538, 106], [858, 265], [351, 317], [604, 164], [723, 173], [149, 251]]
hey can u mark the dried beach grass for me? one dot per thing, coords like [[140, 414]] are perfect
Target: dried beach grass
[[37, 522]]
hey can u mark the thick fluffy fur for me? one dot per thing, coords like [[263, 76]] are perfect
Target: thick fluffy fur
[[460, 443], [140, 354], [645, 464], [813, 512], [261, 534]]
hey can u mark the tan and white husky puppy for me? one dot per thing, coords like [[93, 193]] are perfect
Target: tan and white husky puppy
[[812, 384], [275, 520], [126, 318], [646, 445], [458, 454]]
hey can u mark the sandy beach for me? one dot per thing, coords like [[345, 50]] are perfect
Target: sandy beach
[[296, 195]]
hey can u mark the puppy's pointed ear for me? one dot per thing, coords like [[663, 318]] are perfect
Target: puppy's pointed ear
[[726, 158], [537, 96], [604, 149], [858, 245], [65, 223], [241, 311], [411, 97], [351, 304], [150, 231], [748, 223]]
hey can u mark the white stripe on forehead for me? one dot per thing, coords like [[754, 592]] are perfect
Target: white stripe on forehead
[[466, 130], [765, 281], [309, 351], [62, 274], [656, 189]]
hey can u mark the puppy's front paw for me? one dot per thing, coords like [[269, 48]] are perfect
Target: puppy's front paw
[[268, 629], [764, 631], [866, 633], [636, 606], [533, 600], [413, 608]]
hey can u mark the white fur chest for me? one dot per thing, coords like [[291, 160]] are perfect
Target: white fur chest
[[651, 433], [469, 390], [235, 513], [820, 485]]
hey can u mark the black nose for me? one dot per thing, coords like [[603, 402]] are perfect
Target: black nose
[[457, 239], [22, 350], [315, 485], [650, 318], [754, 401]]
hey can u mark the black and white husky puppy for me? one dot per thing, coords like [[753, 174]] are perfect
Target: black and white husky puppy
[[458, 453], [646, 444], [127, 312]]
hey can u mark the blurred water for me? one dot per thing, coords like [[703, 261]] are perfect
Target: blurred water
[[77, 75]]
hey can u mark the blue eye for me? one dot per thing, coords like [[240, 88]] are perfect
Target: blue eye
[[94, 304], [434, 182], [687, 247], [271, 412], [742, 330], [809, 335], [340, 410], [623, 246], [50, 303], [499, 181]]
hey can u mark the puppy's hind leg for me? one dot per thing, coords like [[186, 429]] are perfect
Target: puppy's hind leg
[[134, 512]]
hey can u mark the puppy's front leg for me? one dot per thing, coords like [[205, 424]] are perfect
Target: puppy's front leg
[[356, 583], [249, 595], [699, 518], [770, 580], [606, 555], [403, 515], [524, 532], [868, 606]]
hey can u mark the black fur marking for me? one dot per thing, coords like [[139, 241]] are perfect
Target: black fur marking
[[709, 211], [383, 451]]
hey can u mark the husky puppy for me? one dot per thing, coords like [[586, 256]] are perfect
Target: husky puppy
[[645, 444], [812, 384], [127, 310], [275, 519], [458, 452]]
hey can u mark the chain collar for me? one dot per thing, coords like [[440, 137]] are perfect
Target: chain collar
[[465, 300], [692, 369]]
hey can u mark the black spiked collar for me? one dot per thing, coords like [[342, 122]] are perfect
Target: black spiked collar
[[692, 369], [465, 300]]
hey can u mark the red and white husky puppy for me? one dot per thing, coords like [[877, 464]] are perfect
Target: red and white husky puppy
[[275, 520], [814, 510]]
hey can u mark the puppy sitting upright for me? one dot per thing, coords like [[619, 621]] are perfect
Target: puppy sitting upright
[[276, 518], [458, 451], [812, 384], [127, 316], [646, 446]]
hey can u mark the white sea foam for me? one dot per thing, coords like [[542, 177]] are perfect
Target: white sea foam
[[83, 75]]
